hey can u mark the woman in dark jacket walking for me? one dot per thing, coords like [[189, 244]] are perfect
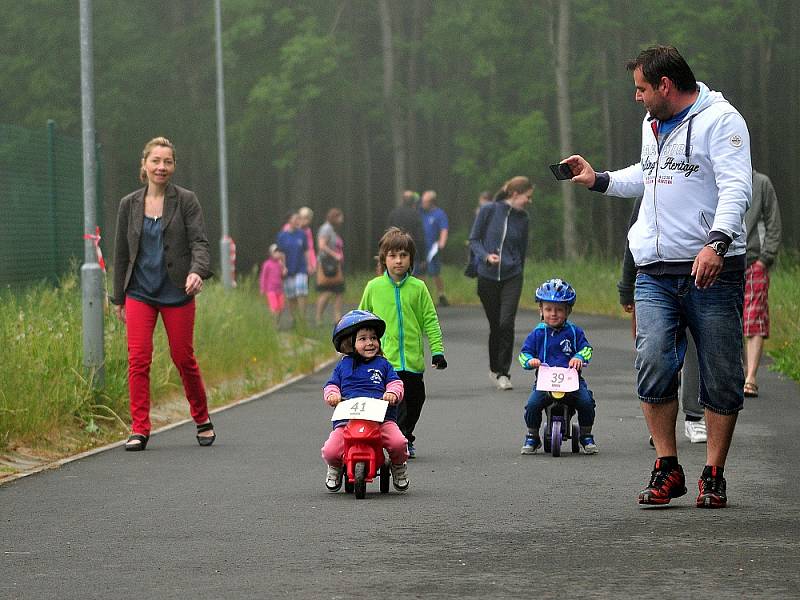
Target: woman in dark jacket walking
[[160, 261], [499, 242]]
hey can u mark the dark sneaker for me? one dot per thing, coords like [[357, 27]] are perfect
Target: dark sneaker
[[588, 444], [531, 444], [412, 452], [443, 301], [712, 491], [665, 484]]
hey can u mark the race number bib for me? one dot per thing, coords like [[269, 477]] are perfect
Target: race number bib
[[368, 409], [557, 379]]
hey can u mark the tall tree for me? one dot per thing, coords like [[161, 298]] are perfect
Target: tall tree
[[569, 229], [391, 102]]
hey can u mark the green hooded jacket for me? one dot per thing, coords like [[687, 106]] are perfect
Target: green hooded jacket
[[408, 310]]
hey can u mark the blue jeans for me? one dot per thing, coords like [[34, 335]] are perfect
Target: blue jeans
[[582, 399], [666, 306]]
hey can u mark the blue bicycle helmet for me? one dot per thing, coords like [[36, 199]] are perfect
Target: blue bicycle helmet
[[556, 290], [351, 322]]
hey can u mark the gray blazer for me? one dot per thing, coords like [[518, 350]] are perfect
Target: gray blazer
[[185, 241]]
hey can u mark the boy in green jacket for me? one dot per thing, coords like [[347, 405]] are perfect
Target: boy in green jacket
[[405, 304]]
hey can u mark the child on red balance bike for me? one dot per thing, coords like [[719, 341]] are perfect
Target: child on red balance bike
[[557, 342], [364, 372]]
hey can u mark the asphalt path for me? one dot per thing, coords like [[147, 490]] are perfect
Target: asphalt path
[[250, 517]]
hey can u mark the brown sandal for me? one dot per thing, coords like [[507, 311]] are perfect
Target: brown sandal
[[750, 389]]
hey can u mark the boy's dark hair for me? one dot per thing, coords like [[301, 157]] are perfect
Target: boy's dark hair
[[395, 239], [664, 61]]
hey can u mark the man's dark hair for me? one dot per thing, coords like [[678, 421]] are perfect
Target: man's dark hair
[[664, 61]]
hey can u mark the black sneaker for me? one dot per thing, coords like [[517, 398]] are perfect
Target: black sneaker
[[443, 301], [665, 484], [712, 491]]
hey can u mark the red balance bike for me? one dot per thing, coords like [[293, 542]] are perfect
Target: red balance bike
[[364, 457]]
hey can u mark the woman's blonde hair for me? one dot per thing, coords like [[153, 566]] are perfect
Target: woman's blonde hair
[[516, 185], [148, 147]]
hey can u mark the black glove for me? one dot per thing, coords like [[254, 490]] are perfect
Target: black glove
[[438, 362]]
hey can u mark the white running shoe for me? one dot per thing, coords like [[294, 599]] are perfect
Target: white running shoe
[[493, 377], [696, 431], [504, 383], [333, 480], [400, 477]]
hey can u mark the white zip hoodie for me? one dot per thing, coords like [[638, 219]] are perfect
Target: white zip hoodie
[[688, 192]]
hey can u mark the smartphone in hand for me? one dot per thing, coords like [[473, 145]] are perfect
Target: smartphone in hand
[[562, 171]]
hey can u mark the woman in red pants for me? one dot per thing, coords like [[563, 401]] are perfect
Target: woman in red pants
[[160, 260]]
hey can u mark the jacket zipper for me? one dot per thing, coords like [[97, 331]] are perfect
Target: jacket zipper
[[400, 325], [502, 241], [687, 119]]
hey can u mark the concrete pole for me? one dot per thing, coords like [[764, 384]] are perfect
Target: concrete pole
[[225, 240], [93, 300]]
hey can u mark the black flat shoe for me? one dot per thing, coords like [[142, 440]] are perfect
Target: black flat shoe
[[136, 442], [205, 440]]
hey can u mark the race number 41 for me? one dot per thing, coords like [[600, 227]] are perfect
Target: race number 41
[[368, 409], [556, 379]]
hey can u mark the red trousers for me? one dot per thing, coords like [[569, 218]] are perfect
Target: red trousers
[[140, 320]]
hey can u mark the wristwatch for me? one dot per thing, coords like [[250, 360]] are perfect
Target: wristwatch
[[719, 247]]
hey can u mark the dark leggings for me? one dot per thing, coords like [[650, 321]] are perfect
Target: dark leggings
[[500, 300], [411, 406]]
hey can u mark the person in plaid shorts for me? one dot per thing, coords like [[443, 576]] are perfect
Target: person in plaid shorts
[[763, 222]]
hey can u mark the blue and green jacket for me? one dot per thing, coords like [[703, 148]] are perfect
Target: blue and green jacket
[[555, 347], [408, 310]]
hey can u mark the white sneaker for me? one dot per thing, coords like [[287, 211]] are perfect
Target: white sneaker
[[333, 480], [696, 431], [493, 377], [400, 477], [504, 383]]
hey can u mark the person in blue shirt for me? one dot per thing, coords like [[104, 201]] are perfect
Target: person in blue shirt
[[557, 342], [293, 242], [436, 228], [364, 372]]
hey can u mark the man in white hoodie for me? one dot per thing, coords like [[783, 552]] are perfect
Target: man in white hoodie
[[688, 243]]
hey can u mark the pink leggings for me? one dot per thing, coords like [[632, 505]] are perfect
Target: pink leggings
[[140, 320], [393, 440]]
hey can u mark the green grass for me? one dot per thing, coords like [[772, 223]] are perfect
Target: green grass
[[48, 402], [784, 312]]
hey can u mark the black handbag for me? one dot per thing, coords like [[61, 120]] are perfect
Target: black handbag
[[330, 266], [471, 270]]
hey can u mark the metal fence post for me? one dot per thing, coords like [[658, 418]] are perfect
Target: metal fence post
[[91, 274], [225, 240], [52, 193]]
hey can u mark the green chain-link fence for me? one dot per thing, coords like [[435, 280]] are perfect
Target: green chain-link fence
[[41, 203]]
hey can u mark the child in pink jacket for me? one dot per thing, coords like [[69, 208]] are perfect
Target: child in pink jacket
[[270, 282]]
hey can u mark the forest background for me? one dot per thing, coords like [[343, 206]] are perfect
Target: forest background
[[346, 102]]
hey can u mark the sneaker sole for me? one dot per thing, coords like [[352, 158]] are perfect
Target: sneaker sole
[[528, 451], [711, 502], [647, 498]]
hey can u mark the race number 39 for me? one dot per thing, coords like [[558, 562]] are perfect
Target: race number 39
[[556, 379]]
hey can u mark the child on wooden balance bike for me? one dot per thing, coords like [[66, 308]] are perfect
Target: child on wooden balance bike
[[557, 342], [364, 373]]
